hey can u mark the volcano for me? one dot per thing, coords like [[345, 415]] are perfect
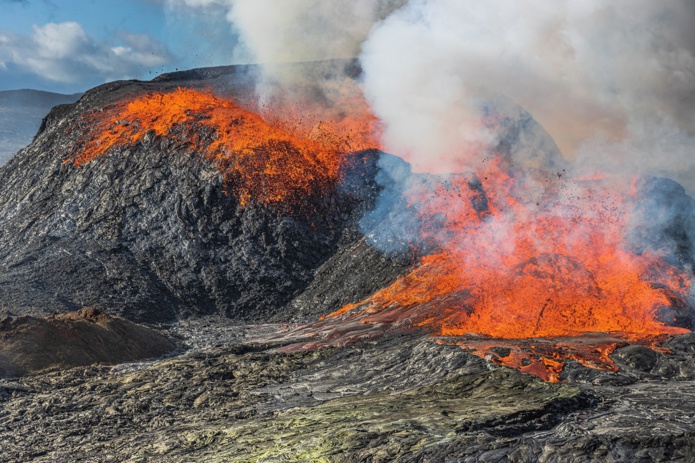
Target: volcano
[[149, 228], [319, 285]]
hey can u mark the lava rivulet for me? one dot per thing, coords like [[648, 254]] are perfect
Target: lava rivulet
[[514, 263], [266, 162]]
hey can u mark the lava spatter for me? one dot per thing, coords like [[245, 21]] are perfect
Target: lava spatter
[[268, 162], [505, 259]]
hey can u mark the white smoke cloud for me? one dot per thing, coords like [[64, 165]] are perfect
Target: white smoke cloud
[[298, 30], [275, 33], [63, 52], [612, 81]]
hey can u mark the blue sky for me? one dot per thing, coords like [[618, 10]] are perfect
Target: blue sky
[[71, 45]]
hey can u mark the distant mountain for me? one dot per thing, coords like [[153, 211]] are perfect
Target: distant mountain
[[21, 112]]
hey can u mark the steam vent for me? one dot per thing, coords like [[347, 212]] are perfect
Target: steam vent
[[188, 274]]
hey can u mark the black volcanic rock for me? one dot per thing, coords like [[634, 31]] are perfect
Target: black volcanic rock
[[404, 399], [150, 232], [243, 403], [665, 220]]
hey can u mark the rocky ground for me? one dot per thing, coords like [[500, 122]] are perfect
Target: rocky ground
[[30, 345], [233, 365], [404, 398]]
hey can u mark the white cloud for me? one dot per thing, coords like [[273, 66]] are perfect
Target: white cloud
[[60, 40], [64, 52]]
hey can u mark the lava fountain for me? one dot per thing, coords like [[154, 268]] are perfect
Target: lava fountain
[[510, 263], [517, 269]]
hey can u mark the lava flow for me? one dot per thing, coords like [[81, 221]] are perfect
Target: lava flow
[[514, 263], [509, 259], [274, 162]]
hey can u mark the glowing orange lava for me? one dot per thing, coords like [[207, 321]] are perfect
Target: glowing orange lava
[[265, 162], [514, 259], [514, 263]]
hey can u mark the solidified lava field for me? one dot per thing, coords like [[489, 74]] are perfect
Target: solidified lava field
[[315, 299]]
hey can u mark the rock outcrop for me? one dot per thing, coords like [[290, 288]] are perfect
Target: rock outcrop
[[150, 232]]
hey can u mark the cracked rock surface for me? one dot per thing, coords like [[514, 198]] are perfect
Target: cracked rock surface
[[149, 231], [403, 398]]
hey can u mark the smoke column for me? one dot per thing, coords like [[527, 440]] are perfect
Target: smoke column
[[613, 82], [275, 33]]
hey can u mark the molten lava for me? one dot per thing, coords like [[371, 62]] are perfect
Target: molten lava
[[266, 162], [514, 263], [509, 258]]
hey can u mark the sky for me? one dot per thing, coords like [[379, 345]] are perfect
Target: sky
[[69, 46]]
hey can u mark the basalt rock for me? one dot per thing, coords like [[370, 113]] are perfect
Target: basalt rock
[[150, 232], [403, 399]]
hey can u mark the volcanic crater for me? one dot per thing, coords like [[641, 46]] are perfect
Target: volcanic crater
[[329, 303]]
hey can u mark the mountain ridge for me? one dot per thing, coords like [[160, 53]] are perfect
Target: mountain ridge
[[21, 114]]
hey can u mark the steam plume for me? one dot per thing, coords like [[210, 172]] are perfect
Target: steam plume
[[613, 82], [276, 33], [454, 81]]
